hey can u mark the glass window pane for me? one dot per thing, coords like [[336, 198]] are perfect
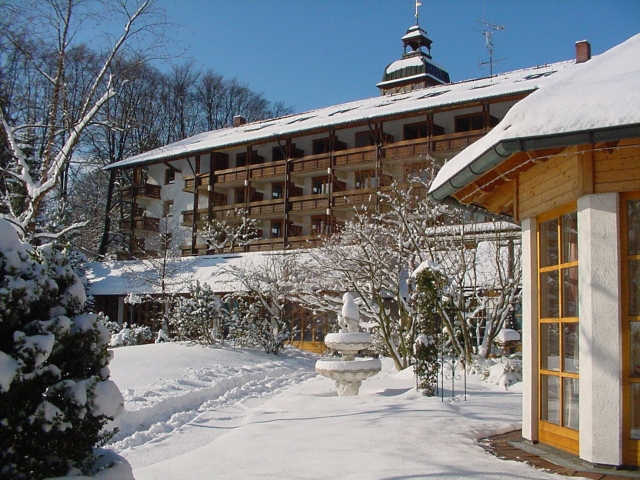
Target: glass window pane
[[571, 347], [549, 346], [570, 292], [635, 349], [570, 403], [634, 287], [549, 243], [570, 237], [550, 401], [635, 411], [549, 301], [633, 222]]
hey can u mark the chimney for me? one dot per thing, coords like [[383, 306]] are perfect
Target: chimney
[[239, 120], [583, 51]]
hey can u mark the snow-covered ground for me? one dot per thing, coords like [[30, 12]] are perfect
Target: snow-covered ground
[[198, 413]]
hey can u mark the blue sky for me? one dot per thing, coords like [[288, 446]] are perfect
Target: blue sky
[[316, 53]]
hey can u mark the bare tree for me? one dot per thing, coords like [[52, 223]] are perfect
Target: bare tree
[[40, 40]]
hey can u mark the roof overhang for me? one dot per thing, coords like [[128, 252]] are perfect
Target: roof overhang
[[501, 151]]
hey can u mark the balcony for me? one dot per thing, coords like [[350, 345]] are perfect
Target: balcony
[[356, 158], [267, 209], [311, 164], [305, 241], [268, 172], [309, 204], [450, 143], [201, 182], [201, 216], [352, 198], [142, 224], [146, 190], [232, 177]]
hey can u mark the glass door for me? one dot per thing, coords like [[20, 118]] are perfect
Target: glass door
[[558, 329], [630, 223]]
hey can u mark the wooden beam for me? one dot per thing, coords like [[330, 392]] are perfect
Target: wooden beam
[[586, 183]]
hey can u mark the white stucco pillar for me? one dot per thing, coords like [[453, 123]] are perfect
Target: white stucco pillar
[[600, 336], [529, 331]]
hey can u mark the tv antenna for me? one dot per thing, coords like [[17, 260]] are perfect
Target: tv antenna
[[488, 29]]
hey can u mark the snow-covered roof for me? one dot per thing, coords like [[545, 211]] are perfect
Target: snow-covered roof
[[414, 32], [602, 93], [414, 61], [140, 277], [519, 81]]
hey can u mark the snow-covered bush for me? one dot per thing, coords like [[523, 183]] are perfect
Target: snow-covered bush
[[132, 334], [249, 325], [197, 318], [503, 371], [55, 396]]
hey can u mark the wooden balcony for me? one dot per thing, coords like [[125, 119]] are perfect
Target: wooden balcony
[[265, 244], [201, 181], [354, 198], [309, 204], [305, 241], [268, 172], [311, 164], [201, 216], [201, 249], [267, 209], [450, 143], [144, 224], [146, 190], [232, 176], [356, 158]]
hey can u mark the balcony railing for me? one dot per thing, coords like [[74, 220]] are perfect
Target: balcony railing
[[266, 208], [201, 181], [311, 164], [347, 200], [309, 203], [146, 224], [147, 190], [356, 157], [268, 171]]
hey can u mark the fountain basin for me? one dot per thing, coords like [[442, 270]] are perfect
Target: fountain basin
[[349, 343], [348, 375], [353, 371]]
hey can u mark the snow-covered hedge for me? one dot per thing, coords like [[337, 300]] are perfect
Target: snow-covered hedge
[[55, 396]]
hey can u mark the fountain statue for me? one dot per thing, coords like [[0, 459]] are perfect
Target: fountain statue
[[348, 372]]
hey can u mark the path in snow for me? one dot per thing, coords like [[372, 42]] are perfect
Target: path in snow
[[198, 413], [188, 397]]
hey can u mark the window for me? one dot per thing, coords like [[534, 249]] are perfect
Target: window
[[559, 329], [364, 139], [277, 190], [276, 229], [473, 121], [320, 225], [239, 195], [320, 185], [321, 145], [167, 209], [366, 179], [169, 176], [277, 153], [241, 159], [415, 131]]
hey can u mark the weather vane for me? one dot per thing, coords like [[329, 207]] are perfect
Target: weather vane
[[417, 5]]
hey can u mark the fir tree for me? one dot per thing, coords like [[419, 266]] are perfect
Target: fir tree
[[55, 396]]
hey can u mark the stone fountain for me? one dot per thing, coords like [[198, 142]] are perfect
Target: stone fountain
[[348, 372]]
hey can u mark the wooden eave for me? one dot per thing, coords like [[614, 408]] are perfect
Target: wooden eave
[[343, 126]]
